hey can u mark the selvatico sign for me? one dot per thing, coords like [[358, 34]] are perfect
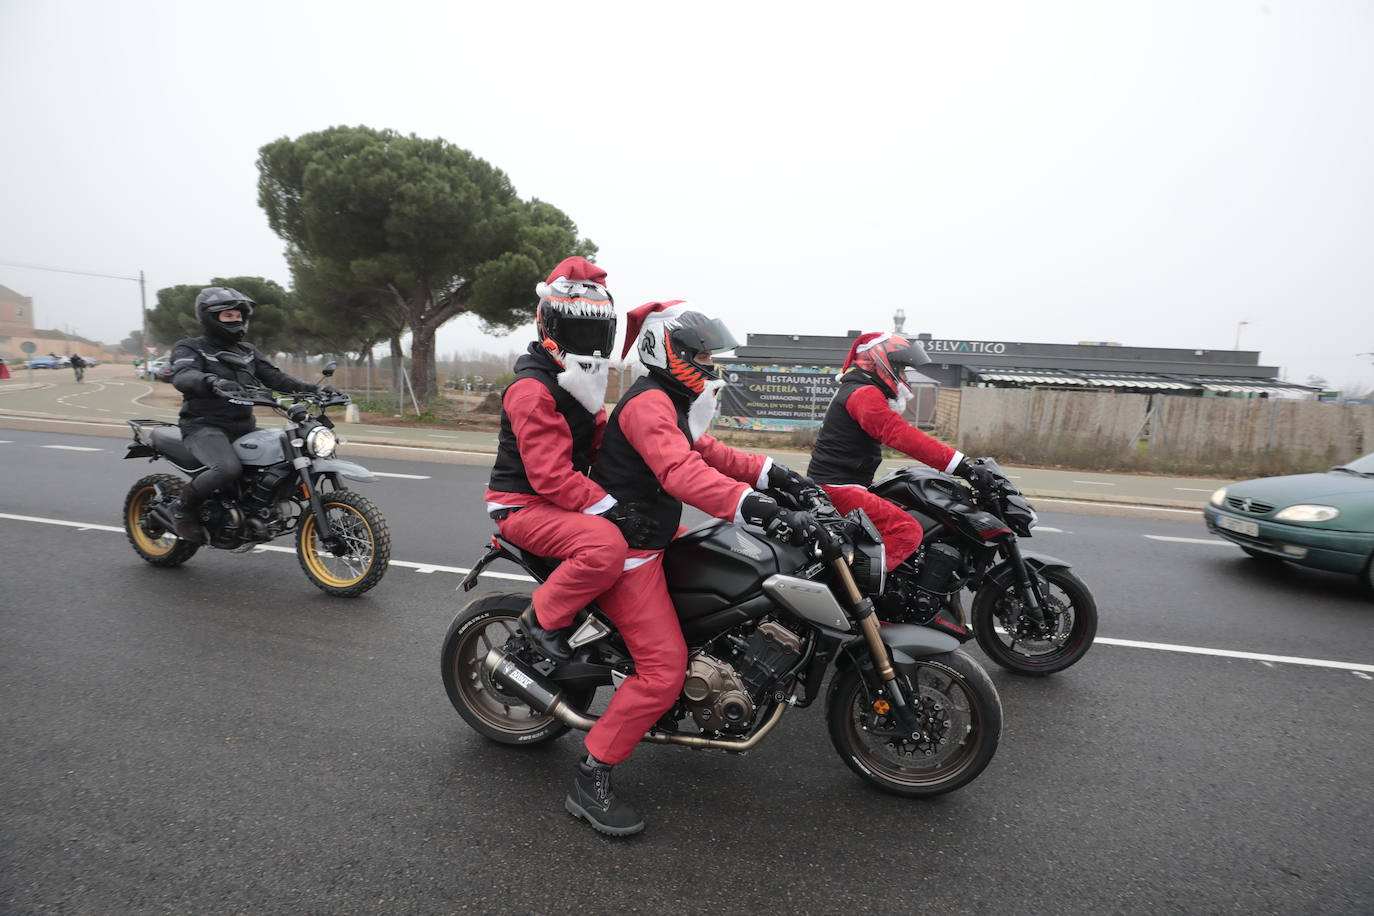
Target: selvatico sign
[[965, 346]]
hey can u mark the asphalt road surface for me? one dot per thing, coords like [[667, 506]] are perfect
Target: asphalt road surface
[[223, 737]]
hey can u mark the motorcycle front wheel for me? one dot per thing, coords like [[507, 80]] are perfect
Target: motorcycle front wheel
[[150, 540], [961, 723], [1020, 645], [493, 713], [359, 559]]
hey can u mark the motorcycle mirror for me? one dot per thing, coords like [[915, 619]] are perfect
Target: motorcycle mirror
[[329, 368]]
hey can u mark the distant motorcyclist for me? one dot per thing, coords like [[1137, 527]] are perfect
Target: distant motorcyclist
[[552, 420], [78, 367], [655, 456], [865, 415], [209, 371]]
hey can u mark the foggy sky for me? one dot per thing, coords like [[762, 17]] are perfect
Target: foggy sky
[[1150, 173]]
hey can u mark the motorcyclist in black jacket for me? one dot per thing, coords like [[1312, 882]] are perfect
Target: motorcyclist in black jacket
[[212, 372]]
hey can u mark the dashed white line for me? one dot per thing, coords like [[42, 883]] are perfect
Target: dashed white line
[[1089, 502], [403, 476], [1217, 542], [1230, 653], [1195, 490], [271, 548], [74, 448], [1094, 483], [1039, 528]]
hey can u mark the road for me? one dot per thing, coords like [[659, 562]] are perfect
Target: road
[[225, 738]]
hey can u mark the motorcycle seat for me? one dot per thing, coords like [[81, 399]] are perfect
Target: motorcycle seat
[[167, 440]]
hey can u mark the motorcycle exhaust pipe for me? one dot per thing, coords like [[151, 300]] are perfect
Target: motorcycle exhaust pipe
[[542, 695], [515, 677]]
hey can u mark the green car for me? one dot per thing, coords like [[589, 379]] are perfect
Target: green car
[[1325, 521]]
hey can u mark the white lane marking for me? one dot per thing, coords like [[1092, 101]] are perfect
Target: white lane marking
[[414, 448], [57, 521], [110, 426], [1195, 490], [1039, 528], [418, 567], [403, 476], [74, 448], [6, 441], [1094, 483], [440, 436], [1217, 542], [1230, 653], [1089, 502]]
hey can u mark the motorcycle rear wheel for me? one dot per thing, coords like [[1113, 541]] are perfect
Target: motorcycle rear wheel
[[166, 549], [357, 520], [494, 714], [997, 604], [962, 723]]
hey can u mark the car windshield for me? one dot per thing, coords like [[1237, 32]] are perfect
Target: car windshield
[[1363, 465]]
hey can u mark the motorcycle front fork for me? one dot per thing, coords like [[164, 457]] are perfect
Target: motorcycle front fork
[[1027, 585]]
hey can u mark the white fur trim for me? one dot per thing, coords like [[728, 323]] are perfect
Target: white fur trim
[[739, 507], [493, 507], [872, 343], [602, 505], [954, 462], [541, 290], [636, 562], [762, 482]]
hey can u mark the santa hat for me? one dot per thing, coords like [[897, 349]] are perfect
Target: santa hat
[[863, 343], [574, 268], [646, 315]]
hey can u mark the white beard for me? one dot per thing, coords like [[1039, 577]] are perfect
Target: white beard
[[899, 402], [585, 378], [703, 409]]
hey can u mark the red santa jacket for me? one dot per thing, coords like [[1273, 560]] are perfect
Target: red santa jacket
[[858, 423]]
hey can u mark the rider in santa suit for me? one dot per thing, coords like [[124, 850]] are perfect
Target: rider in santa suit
[[552, 420], [655, 456], [865, 415]]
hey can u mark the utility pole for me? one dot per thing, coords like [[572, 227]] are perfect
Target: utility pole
[[1239, 325]]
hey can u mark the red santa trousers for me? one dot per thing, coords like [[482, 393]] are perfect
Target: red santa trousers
[[592, 550], [901, 533], [643, 613]]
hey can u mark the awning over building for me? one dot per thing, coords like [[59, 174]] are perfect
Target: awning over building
[[1141, 381]]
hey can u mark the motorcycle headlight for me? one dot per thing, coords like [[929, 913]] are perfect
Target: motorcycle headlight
[[1218, 497], [321, 442], [1304, 513]]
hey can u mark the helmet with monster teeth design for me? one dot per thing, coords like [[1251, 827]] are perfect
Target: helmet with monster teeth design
[[576, 313]]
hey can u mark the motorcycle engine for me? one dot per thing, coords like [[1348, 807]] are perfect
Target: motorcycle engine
[[722, 696]]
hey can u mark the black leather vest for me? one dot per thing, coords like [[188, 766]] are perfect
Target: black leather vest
[[508, 473], [844, 453], [621, 471]]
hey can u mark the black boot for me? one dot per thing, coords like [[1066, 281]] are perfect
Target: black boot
[[184, 521], [592, 800], [552, 644]]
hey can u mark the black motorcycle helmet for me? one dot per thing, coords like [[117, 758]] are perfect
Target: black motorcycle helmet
[[215, 299]]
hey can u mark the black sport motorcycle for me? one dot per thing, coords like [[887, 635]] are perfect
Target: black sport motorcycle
[[291, 481], [1030, 614], [764, 619]]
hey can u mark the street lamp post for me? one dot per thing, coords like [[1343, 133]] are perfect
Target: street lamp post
[[1239, 325]]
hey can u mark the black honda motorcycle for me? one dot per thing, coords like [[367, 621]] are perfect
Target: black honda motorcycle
[[1031, 614], [765, 619], [291, 481]]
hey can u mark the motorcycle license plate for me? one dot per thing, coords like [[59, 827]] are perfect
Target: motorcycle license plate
[[1238, 525]]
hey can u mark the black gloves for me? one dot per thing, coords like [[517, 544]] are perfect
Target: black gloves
[[328, 391], [228, 388], [781, 477], [795, 527], [638, 528], [982, 478]]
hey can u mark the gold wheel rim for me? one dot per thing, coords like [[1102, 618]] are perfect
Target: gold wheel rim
[[138, 510], [356, 530]]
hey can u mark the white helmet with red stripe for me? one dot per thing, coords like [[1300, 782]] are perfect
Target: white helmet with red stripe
[[671, 336]]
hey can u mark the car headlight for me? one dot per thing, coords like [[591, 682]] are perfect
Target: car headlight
[[1218, 497], [1306, 513], [321, 442]]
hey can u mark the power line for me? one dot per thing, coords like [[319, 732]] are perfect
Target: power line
[[66, 270]]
